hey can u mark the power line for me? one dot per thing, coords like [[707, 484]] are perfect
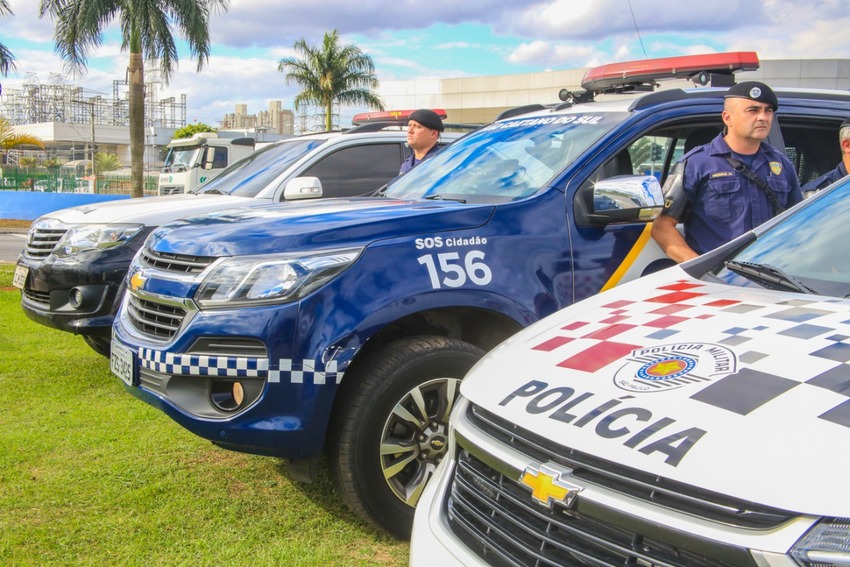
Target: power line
[[645, 56]]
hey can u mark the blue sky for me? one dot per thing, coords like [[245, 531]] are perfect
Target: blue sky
[[410, 39]]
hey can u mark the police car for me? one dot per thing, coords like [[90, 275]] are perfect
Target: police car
[[697, 416], [344, 326], [71, 269]]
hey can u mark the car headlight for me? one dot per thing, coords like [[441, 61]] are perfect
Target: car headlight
[[90, 237], [270, 279], [825, 545]]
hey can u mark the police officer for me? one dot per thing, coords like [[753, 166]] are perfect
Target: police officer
[[732, 184], [423, 130], [831, 177]]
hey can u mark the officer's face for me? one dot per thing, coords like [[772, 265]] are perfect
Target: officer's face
[[748, 119], [421, 137]]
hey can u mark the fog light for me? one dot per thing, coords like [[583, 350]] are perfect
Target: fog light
[[227, 396], [75, 298]]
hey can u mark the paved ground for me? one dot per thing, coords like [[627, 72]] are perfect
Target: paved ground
[[12, 240]]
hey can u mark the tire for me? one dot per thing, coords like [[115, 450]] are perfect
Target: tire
[[101, 345], [391, 427]]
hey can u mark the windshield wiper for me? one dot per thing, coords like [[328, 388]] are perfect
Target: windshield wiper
[[441, 198], [381, 192], [769, 276]]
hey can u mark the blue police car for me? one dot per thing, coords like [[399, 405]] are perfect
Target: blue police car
[[346, 325]]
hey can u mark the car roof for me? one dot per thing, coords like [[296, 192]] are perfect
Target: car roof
[[626, 102]]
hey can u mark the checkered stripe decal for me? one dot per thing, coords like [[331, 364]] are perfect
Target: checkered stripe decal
[[200, 365], [288, 371], [808, 341], [306, 371]]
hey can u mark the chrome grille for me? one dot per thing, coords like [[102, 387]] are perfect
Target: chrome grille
[[498, 520], [158, 320], [180, 263], [42, 241], [650, 488]]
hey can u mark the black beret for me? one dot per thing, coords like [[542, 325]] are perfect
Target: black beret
[[427, 118], [845, 123], [754, 90]]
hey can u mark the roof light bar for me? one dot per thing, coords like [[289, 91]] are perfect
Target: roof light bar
[[618, 75], [399, 116]]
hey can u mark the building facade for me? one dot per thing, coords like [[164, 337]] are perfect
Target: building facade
[[482, 99]]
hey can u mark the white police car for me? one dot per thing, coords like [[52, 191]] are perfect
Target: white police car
[[697, 416]]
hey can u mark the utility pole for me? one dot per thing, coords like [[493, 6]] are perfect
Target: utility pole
[[93, 172]]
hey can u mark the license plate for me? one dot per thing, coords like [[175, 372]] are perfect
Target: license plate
[[20, 276], [121, 362]]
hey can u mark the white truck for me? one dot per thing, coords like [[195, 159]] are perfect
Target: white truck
[[191, 161]]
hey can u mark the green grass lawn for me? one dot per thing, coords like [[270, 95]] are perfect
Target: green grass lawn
[[89, 475]]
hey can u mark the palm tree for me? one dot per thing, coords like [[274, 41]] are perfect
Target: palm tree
[[10, 139], [146, 29], [7, 60], [331, 73]]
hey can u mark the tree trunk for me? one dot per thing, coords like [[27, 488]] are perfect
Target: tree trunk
[[329, 116], [137, 119]]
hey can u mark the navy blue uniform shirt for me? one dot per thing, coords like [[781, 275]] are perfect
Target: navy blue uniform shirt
[[724, 203], [412, 162], [826, 179]]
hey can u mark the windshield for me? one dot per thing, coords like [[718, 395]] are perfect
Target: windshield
[[253, 173], [181, 158], [812, 246], [504, 161]]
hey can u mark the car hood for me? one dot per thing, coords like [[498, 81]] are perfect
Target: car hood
[[741, 391], [313, 225], [151, 211]]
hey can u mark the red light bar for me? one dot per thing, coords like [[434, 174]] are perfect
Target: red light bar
[[631, 72], [401, 116]]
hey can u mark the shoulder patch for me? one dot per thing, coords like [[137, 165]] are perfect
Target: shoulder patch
[[776, 167], [717, 174]]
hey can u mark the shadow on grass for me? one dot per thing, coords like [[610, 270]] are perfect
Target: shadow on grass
[[323, 492]]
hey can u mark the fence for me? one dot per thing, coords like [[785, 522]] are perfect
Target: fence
[[47, 181]]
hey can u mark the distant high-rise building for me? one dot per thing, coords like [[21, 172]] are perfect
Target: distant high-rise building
[[275, 120]]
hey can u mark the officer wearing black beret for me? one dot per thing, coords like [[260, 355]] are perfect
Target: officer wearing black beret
[[732, 184], [423, 131], [843, 167]]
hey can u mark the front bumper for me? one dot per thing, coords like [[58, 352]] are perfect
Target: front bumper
[[79, 294], [222, 379], [475, 512]]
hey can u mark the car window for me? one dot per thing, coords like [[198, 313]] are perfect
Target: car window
[[653, 153], [357, 170], [251, 174], [811, 145]]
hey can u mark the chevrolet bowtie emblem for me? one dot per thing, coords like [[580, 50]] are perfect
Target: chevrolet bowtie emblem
[[549, 484], [137, 281]]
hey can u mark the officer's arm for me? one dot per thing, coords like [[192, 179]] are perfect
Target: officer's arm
[[676, 206], [668, 237]]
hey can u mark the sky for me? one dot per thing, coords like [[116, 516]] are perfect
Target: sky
[[415, 39]]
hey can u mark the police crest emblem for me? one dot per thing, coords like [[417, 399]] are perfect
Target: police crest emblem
[[776, 167]]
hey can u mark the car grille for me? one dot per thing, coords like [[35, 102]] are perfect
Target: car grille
[[171, 190], [154, 319], [43, 241], [497, 518], [179, 263], [42, 297]]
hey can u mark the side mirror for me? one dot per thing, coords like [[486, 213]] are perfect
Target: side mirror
[[302, 188], [626, 198]]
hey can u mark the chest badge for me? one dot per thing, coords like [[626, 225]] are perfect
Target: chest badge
[[776, 167]]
